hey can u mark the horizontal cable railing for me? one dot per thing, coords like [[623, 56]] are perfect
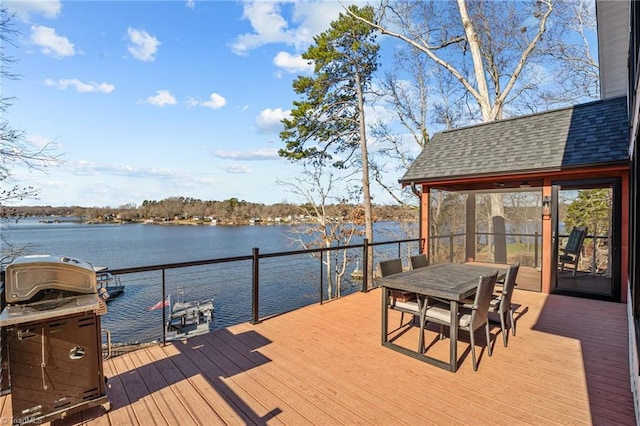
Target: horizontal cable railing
[[251, 287], [452, 247], [523, 247]]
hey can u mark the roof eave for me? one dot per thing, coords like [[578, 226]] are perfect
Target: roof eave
[[516, 174]]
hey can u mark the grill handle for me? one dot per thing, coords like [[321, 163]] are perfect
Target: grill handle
[[107, 334]]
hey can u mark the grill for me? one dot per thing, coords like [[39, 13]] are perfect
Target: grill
[[54, 338]]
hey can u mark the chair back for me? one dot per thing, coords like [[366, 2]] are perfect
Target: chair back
[[575, 240], [509, 285], [419, 261], [482, 301], [390, 267]]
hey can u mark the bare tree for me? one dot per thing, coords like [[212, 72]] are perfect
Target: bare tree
[[425, 94], [487, 47], [316, 188], [328, 124], [15, 149], [577, 70], [408, 98], [490, 48], [484, 45]]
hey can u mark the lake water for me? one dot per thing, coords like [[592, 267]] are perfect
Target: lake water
[[122, 246], [286, 283]]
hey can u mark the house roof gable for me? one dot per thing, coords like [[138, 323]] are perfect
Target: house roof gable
[[589, 134]]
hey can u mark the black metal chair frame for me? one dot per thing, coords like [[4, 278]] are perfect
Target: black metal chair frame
[[394, 266], [573, 249], [470, 318], [501, 304]]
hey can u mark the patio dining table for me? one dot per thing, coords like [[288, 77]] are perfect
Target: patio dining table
[[449, 281]]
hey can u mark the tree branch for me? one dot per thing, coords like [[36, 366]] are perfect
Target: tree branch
[[499, 102]]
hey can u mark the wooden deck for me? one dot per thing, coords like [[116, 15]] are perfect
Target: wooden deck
[[324, 365]]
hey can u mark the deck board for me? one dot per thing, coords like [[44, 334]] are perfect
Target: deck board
[[163, 395], [324, 365], [184, 394], [220, 401], [286, 386]]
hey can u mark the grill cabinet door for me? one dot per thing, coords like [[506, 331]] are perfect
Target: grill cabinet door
[[55, 365]]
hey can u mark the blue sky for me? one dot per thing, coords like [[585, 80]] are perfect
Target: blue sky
[[148, 100]]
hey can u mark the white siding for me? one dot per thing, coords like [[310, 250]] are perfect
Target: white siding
[[613, 46]]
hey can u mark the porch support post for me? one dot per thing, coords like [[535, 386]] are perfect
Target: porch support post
[[547, 241], [470, 228], [424, 221], [624, 238]]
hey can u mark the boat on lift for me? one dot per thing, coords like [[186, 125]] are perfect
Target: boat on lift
[[109, 287], [188, 319]]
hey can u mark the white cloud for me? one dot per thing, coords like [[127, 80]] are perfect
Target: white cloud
[[24, 10], [270, 120], [254, 155], [162, 98], [316, 16], [88, 168], [50, 43], [215, 101], [191, 4], [142, 45], [81, 86], [238, 169], [292, 63], [270, 25]]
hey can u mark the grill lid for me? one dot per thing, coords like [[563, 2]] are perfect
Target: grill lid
[[28, 275], [41, 311]]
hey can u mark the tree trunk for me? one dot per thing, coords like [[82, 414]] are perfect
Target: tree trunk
[[482, 95], [327, 263], [366, 190], [499, 228]]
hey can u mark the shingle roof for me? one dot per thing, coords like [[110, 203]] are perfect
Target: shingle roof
[[594, 133]]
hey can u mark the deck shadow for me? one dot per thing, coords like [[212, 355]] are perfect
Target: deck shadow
[[217, 357]]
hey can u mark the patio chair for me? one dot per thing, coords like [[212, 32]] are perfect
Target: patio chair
[[469, 319], [419, 261], [501, 304], [573, 248], [402, 301]]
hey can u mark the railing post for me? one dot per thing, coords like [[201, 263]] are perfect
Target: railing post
[[4, 348], [164, 310], [321, 274], [451, 248], [535, 250], [365, 265], [594, 263], [256, 286]]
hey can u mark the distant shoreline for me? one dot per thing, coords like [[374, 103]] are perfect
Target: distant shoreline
[[179, 222]]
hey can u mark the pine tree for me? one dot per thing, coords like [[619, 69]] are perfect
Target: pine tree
[[328, 126]]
